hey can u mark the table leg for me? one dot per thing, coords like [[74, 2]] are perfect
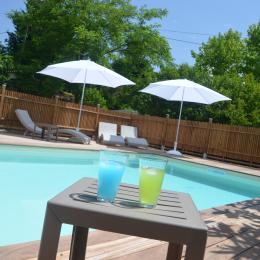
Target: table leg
[[57, 133], [34, 131], [196, 251], [78, 243], [174, 251], [48, 134], [43, 132], [50, 236]]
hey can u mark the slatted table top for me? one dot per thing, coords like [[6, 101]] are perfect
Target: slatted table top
[[175, 218], [46, 125]]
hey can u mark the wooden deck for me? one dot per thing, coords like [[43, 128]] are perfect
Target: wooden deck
[[234, 233]]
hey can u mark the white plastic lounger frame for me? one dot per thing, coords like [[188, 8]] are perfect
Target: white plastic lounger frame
[[29, 125], [107, 133], [131, 137]]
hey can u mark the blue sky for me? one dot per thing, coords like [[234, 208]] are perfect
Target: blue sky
[[201, 16]]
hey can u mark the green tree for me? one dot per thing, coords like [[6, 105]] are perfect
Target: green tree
[[230, 64], [146, 52], [113, 33], [244, 107], [6, 65], [222, 54], [253, 50], [93, 96]]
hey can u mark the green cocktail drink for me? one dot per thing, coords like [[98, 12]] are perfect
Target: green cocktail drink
[[150, 181]]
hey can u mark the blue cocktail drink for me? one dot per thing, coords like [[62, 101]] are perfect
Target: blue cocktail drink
[[109, 177]]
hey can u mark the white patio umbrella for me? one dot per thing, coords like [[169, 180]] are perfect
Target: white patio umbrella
[[183, 90], [86, 72]]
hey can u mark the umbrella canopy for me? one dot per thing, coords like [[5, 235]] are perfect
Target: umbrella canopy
[[85, 72], [183, 90]]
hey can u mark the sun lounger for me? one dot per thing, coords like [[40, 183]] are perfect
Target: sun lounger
[[27, 122], [30, 127], [131, 137], [107, 134], [76, 136]]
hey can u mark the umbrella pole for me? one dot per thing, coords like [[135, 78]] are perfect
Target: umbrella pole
[[179, 121], [178, 126], [81, 102]]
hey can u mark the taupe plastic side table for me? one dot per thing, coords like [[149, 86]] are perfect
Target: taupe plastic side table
[[175, 219], [47, 127]]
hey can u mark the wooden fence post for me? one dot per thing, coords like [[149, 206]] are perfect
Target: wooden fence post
[[97, 118], [131, 119], [205, 154], [55, 109], [164, 132], [225, 153], [2, 101]]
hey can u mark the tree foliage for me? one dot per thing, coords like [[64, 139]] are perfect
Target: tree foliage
[[93, 96], [232, 65], [113, 33], [222, 54], [253, 50], [6, 65]]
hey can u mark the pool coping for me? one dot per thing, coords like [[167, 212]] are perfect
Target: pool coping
[[20, 140]]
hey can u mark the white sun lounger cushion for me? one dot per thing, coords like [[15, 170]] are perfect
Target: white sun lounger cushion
[[137, 142], [115, 140], [130, 135], [107, 132]]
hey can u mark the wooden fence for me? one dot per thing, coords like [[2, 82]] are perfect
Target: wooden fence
[[226, 142]]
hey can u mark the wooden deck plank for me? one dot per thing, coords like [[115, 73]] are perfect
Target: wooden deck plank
[[249, 254], [225, 226], [30, 250], [234, 246], [114, 249], [234, 230]]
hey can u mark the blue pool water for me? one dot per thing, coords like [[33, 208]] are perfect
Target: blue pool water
[[29, 177]]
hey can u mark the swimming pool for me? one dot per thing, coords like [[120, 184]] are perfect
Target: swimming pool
[[30, 176]]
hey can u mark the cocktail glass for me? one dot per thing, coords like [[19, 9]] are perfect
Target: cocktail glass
[[111, 169], [152, 172]]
